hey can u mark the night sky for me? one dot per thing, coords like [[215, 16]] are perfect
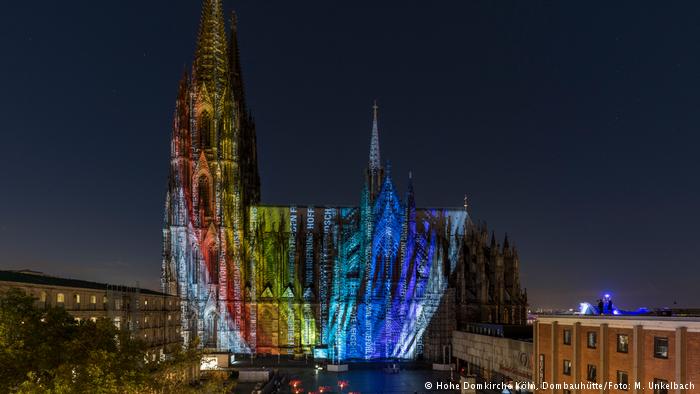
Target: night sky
[[572, 126]]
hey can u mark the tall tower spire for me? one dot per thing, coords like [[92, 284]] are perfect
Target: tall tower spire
[[374, 159], [375, 172], [211, 59]]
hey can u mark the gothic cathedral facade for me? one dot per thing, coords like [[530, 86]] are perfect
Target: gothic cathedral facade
[[360, 282]]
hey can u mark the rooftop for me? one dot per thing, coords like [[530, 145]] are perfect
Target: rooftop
[[39, 278], [672, 317]]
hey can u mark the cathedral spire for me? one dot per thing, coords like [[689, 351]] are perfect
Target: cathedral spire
[[375, 172], [374, 159], [211, 59]]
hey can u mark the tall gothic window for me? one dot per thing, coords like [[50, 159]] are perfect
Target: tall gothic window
[[204, 199], [213, 263], [210, 329], [205, 130]]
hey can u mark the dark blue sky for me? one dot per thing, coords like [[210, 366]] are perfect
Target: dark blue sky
[[574, 127]]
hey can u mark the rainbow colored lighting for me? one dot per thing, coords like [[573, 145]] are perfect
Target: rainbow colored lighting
[[359, 282]]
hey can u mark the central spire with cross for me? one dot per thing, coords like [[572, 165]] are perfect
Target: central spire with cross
[[374, 159], [375, 172]]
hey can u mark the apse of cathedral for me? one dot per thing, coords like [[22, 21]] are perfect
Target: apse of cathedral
[[383, 279]]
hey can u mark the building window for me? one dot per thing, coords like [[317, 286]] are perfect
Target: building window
[[660, 386], [204, 198], [145, 302], [567, 367], [661, 347], [622, 380], [567, 337], [60, 298], [623, 342], [93, 319], [76, 298], [118, 322], [205, 130], [592, 339], [169, 317], [93, 299], [104, 299], [42, 297], [591, 373]]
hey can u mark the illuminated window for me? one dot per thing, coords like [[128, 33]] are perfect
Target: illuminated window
[[169, 317], [145, 319], [204, 198], [567, 367], [118, 322], [592, 339], [93, 299], [622, 380], [145, 302], [623, 343], [76, 298], [205, 130], [661, 347], [591, 373], [93, 319], [60, 298], [42, 297], [77, 320], [567, 337], [104, 299]]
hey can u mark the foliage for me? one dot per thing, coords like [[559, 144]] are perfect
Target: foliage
[[47, 351]]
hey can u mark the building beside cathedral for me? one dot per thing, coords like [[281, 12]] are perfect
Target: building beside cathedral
[[381, 279]]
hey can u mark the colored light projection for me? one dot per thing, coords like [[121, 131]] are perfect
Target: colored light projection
[[359, 282], [346, 282]]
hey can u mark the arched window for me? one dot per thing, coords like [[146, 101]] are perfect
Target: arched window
[[212, 257], [210, 329], [204, 199], [205, 130]]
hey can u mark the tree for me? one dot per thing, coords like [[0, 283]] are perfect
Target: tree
[[47, 351]]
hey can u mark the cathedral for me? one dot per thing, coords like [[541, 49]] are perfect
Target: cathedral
[[370, 281]]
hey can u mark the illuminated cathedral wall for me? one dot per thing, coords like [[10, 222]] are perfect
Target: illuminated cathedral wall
[[362, 282], [342, 282]]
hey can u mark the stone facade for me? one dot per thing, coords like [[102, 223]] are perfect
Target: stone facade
[[600, 349]]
